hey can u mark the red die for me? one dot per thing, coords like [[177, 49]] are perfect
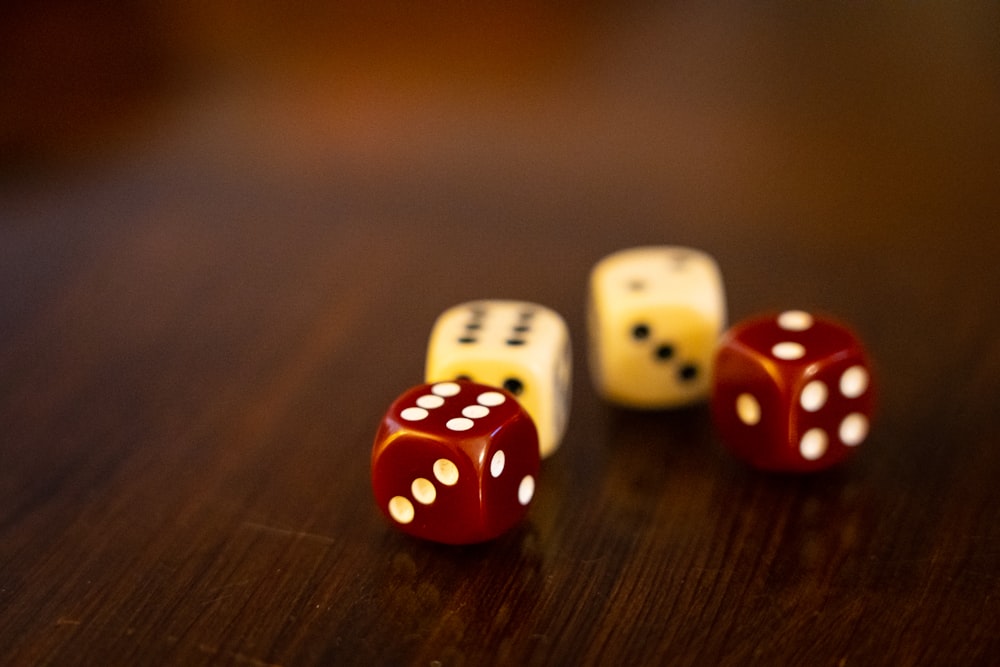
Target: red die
[[791, 392], [455, 462]]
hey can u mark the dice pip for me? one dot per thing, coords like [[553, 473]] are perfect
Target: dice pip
[[792, 392], [655, 315], [455, 462], [520, 346]]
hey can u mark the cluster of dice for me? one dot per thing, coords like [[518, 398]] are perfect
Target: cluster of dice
[[456, 459]]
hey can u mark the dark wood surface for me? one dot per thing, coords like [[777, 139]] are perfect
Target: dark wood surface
[[212, 288]]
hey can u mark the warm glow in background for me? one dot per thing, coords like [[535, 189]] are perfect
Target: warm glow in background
[[862, 100]]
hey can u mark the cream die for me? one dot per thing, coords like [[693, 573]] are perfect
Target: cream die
[[655, 315], [520, 346]]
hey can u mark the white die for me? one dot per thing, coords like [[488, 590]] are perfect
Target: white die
[[654, 318], [520, 346]]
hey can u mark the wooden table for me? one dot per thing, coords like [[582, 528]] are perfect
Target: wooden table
[[208, 301]]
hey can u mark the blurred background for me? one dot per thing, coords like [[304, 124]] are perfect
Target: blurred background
[[825, 106], [721, 126]]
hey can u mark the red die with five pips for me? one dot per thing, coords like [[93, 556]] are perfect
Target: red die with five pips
[[455, 462]]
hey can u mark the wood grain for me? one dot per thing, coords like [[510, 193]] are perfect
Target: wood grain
[[201, 327]]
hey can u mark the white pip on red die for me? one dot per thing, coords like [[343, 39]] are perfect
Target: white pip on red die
[[520, 346], [455, 462], [655, 315], [792, 392]]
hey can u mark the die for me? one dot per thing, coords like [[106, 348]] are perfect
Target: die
[[654, 317], [455, 462], [520, 346], [792, 392]]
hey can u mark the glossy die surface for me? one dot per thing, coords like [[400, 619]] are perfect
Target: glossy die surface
[[655, 315], [792, 392], [455, 462], [520, 346]]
